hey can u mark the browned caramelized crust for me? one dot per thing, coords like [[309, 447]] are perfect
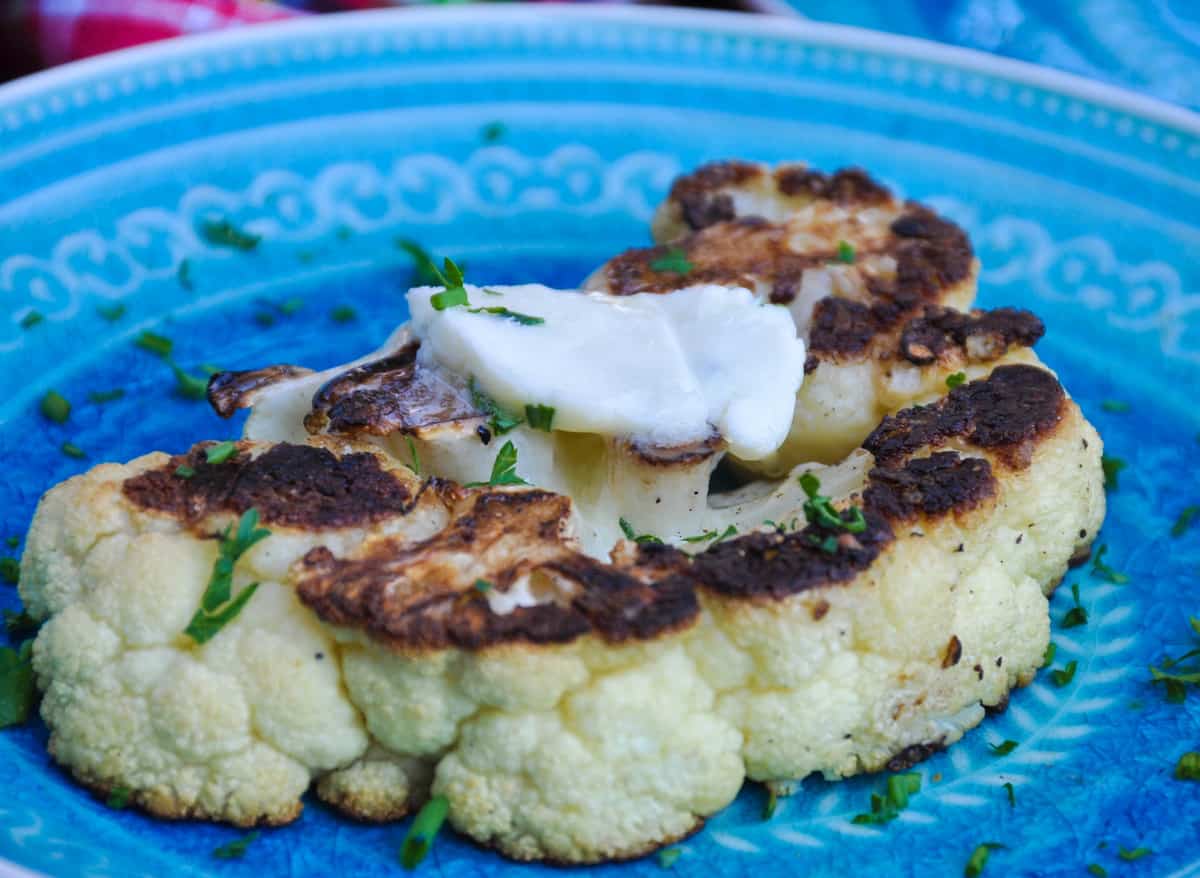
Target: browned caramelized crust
[[676, 455], [846, 186], [230, 391], [434, 594], [929, 487], [291, 485], [1005, 413], [978, 335], [389, 395], [698, 193]]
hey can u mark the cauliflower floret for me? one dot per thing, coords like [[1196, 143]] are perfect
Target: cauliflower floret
[[234, 728]]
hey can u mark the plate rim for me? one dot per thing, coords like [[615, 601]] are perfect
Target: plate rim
[[1114, 97]]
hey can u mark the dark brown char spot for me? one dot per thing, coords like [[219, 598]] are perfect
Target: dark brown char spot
[[930, 486], [953, 652], [291, 485], [846, 186], [389, 395], [669, 456], [230, 391], [981, 335], [698, 194], [841, 327], [911, 755], [1004, 413]]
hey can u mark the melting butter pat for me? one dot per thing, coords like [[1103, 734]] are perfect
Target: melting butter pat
[[666, 369]]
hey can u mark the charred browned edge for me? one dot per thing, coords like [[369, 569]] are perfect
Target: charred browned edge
[[775, 565], [844, 186], [1006, 414], [618, 603], [978, 335], [701, 203], [667, 456], [291, 485], [230, 391], [382, 397], [914, 753]]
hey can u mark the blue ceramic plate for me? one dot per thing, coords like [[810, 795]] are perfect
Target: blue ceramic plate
[[532, 145]]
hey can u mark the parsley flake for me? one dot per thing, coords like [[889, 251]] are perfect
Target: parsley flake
[[1097, 870], [343, 314], [20, 626], [1063, 677], [1102, 571], [667, 857], [184, 471], [492, 132], [956, 380], [482, 586], [70, 449], [887, 807], [674, 260], [1003, 749], [1112, 467], [504, 470], [979, 858], [415, 464], [31, 319], [1077, 615], [423, 831], [187, 385], [236, 849], [111, 313], [155, 343], [425, 270], [710, 535], [218, 607], [1048, 656], [221, 452], [12, 542], [845, 252], [499, 419], [820, 512], [54, 407], [770, 804], [223, 233], [540, 417], [1186, 516], [17, 691], [631, 534], [118, 798], [1012, 795], [514, 316], [102, 396], [1176, 676], [10, 570], [1188, 767], [1131, 855], [1116, 406], [184, 275]]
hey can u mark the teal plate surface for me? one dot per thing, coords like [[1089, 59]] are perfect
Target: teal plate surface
[[331, 138]]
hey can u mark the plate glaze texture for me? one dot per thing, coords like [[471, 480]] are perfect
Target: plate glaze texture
[[532, 145]]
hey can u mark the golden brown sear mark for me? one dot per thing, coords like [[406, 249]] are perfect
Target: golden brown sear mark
[[979, 335], [1007, 413], [389, 395], [230, 391], [297, 486]]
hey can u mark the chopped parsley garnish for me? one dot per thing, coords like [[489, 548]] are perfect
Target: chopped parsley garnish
[[675, 260], [425, 270], [223, 233], [111, 313], [1003, 749], [827, 544], [236, 849], [12, 542], [1063, 677], [17, 690], [482, 586], [1175, 678], [492, 132], [218, 607], [540, 417], [504, 470], [55, 407], [343, 314], [955, 380], [1077, 615], [770, 804], [31, 319], [979, 858], [415, 464], [118, 798], [10, 570], [20, 626], [184, 275], [290, 306], [1112, 471], [1048, 656], [499, 419], [631, 534], [264, 319], [102, 396], [423, 831], [887, 807], [70, 449], [184, 471], [1188, 767], [155, 343], [514, 316], [1186, 516], [221, 452], [1116, 406], [845, 252], [1136, 854], [667, 857], [820, 511], [1097, 870], [187, 385], [1103, 571], [1012, 795], [710, 535]]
